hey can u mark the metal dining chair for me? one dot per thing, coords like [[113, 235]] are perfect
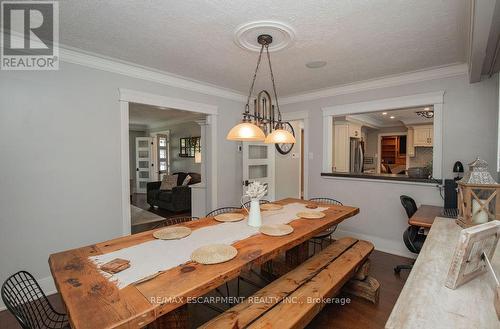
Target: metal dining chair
[[24, 298], [222, 210], [247, 204], [213, 213], [175, 220], [326, 235]]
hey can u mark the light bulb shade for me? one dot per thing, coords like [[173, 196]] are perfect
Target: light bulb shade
[[280, 136], [246, 132]]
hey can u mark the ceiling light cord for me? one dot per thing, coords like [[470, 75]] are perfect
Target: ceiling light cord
[[250, 92], [274, 85]]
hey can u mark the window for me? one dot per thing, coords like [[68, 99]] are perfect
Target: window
[[189, 146]]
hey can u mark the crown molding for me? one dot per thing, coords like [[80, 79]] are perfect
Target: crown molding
[[165, 125], [389, 81], [386, 104], [137, 127], [103, 63], [79, 57]]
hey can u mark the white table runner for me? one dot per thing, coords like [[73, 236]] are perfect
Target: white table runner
[[154, 256]]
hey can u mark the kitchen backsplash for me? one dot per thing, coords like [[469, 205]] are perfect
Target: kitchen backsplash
[[423, 155]]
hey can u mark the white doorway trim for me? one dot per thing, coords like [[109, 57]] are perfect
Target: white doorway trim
[[379, 148], [304, 116], [434, 98], [127, 96]]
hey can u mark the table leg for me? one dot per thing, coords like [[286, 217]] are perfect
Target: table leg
[[297, 255], [177, 319], [281, 265]]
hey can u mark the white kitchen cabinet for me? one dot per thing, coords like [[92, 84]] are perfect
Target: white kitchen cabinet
[[341, 147], [410, 145], [423, 136], [354, 130]]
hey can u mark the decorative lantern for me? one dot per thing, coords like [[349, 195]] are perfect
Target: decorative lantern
[[478, 196]]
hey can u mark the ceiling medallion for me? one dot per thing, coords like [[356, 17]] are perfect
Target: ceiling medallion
[[246, 35]]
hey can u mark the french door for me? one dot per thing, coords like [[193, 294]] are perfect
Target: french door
[[142, 163], [258, 165], [163, 155]]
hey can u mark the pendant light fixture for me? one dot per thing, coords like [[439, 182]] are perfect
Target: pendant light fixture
[[254, 126]]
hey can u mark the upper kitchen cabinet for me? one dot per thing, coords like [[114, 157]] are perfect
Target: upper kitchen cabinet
[[423, 135], [354, 130]]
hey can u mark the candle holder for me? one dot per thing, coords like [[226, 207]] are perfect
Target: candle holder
[[478, 196]]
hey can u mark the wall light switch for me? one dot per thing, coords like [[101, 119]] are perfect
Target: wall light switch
[[311, 156]]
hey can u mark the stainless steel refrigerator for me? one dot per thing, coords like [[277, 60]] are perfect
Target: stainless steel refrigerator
[[357, 154]]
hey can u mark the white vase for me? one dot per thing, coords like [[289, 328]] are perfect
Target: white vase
[[254, 217]]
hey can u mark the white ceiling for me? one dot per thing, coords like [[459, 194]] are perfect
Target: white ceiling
[[154, 117], [360, 39]]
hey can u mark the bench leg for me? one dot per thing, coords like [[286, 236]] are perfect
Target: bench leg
[[363, 271], [177, 319], [363, 285]]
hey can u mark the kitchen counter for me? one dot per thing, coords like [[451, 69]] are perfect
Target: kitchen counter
[[390, 177]]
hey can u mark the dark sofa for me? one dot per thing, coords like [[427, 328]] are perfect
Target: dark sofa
[[177, 199]]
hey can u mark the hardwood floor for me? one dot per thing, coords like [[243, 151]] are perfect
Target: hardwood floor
[[357, 314]]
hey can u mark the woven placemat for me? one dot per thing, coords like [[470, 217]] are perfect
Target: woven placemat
[[229, 217], [271, 206], [311, 214], [214, 254], [276, 229], [171, 233]]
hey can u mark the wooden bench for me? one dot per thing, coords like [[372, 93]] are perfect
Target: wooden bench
[[295, 298]]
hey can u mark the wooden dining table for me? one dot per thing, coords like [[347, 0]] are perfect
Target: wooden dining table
[[93, 302]]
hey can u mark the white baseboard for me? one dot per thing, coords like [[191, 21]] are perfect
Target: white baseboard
[[47, 285], [389, 246]]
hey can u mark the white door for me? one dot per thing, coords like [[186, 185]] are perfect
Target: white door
[[258, 165], [142, 163]]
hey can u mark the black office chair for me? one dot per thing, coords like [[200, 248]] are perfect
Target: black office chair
[[26, 301], [413, 239], [326, 235]]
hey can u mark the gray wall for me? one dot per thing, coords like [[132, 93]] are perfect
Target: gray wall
[[287, 169], [60, 147], [177, 131], [470, 129]]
